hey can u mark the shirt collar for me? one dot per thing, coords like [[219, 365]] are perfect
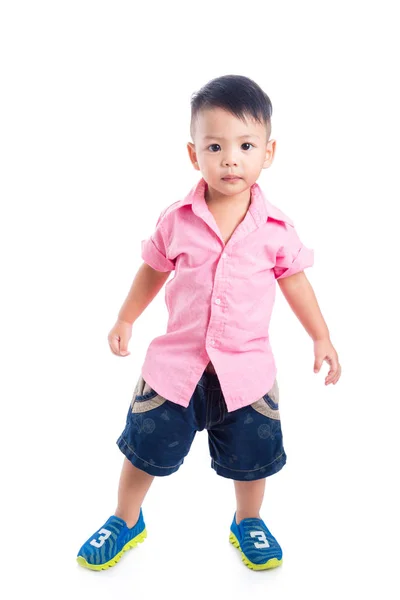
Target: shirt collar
[[260, 207]]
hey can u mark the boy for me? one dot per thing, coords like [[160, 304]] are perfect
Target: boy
[[214, 368]]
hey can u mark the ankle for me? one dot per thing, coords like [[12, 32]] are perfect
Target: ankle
[[130, 518], [246, 514]]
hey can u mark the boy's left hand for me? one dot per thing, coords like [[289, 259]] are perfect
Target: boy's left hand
[[324, 350]]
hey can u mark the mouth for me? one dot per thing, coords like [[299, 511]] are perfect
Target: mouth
[[231, 178]]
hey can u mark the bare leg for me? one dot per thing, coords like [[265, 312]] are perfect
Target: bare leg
[[249, 497], [133, 487]]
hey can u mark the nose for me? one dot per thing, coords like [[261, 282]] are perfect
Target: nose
[[229, 159]]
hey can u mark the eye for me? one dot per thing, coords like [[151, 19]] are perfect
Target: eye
[[213, 146], [247, 144]]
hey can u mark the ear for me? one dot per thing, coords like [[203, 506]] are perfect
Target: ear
[[192, 155], [270, 153]]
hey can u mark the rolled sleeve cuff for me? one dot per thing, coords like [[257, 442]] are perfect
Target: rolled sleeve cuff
[[153, 257], [304, 259]]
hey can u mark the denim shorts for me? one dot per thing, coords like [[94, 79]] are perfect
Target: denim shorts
[[245, 444]]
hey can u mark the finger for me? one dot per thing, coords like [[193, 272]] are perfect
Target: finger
[[334, 366], [335, 376], [116, 352], [318, 363], [113, 341], [116, 345], [330, 377], [123, 346], [334, 363]]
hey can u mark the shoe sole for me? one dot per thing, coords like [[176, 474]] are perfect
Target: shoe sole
[[131, 544], [270, 564]]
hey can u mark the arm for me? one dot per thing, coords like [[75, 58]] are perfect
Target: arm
[[145, 287], [301, 298]]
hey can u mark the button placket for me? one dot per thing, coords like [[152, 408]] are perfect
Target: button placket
[[220, 274]]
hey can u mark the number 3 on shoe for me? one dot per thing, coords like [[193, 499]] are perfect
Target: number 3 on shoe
[[258, 547], [105, 547]]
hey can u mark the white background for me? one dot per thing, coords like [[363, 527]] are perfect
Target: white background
[[95, 107]]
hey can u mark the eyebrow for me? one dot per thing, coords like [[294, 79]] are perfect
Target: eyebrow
[[215, 137]]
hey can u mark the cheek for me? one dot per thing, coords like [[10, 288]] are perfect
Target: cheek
[[208, 161], [257, 161]]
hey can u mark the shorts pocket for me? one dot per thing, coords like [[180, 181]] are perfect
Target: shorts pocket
[[145, 398], [268, 405]]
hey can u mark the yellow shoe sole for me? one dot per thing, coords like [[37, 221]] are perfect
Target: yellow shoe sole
[[270, 564], [134, 542]]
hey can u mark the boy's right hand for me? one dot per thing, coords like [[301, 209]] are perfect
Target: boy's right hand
[[119, 337]]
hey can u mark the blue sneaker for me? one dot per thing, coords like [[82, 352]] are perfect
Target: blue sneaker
[[258, 547], [105, 547]]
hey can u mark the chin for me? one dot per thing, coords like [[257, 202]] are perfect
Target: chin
[[228, 188]]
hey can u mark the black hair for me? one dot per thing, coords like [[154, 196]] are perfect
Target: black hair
[[236, 94]]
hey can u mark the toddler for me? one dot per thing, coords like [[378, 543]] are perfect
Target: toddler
[[214, 368]]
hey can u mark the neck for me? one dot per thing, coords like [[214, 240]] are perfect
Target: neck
[[215, 198]]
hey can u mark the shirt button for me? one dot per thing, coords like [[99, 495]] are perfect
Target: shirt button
[[212, 342], [218, 301], [224, 255]]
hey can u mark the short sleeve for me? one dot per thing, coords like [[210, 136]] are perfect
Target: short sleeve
[[292, 256], [154, 249]]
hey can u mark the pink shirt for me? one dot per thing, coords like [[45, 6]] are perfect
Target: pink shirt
[[221, 297]]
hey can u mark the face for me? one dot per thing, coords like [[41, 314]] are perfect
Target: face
[[225, 145]]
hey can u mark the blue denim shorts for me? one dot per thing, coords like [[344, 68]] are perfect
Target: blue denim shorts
[[245, 444]]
